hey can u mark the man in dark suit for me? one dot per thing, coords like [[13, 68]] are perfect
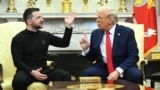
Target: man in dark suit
[[124, 49]]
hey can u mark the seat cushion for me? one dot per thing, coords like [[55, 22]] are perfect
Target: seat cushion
[[7, 85], [37, 86], [155, 76]]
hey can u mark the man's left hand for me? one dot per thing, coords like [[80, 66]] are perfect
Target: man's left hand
[[113, 76]]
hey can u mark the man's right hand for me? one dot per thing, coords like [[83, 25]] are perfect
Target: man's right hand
[[38, 75], [84, 42], [70, 19]]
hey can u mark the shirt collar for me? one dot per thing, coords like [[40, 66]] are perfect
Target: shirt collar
[[31, 32], [112, 30]]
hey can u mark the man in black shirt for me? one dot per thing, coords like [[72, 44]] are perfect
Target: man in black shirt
[[29, 50]]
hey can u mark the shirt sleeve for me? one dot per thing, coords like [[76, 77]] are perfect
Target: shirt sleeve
[[16, 50], [85, 52], [120, 70]]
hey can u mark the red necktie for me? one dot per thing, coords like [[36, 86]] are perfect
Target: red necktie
[[109, 53]]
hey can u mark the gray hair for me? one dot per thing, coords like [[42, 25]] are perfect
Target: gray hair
[[110, 13]]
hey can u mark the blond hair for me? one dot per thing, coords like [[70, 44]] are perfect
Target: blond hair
[[109, 12]]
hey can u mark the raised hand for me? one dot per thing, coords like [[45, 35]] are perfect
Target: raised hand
[[69, 19], [84, 42]]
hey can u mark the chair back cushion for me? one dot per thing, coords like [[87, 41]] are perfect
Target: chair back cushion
[[7, 32]]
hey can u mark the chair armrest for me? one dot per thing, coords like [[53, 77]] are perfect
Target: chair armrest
[[142, 67], [1, 73], [144, 62], [51, 64]]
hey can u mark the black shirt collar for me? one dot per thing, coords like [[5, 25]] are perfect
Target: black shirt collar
[[31, 32]]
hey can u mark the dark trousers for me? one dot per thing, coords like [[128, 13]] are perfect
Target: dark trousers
[[22, 79], [133, 74]]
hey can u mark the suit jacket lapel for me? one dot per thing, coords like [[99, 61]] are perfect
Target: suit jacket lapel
[[117, 36], [100, 37]]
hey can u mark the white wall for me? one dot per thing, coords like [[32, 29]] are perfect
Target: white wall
[[77, 5]]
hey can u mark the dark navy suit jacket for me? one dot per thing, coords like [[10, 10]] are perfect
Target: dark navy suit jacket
[[124, 49]]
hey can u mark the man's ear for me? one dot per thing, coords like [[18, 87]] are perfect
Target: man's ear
[[29, 21], [110, 21]]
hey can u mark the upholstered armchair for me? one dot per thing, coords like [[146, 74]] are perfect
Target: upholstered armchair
[[7, 69], [139, 35]]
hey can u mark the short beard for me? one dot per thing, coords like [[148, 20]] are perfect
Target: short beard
[[36, 27]]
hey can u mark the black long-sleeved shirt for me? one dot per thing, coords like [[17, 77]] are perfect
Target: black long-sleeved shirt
[[29, 49]]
